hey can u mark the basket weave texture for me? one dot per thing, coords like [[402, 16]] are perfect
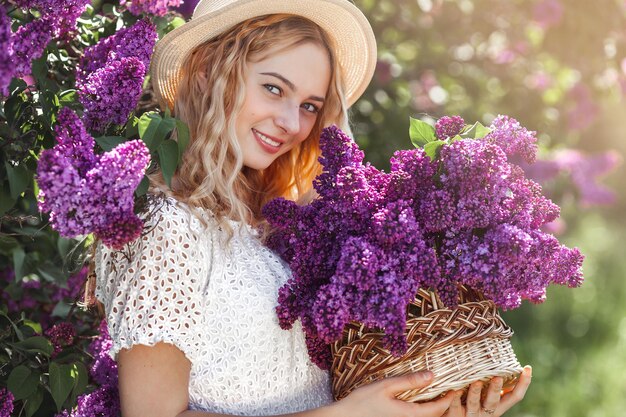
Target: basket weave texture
[[459, 345]]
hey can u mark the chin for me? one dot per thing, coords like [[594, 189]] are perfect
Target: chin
[[258, 165]]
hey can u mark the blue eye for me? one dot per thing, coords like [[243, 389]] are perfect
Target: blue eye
[[272, 89]]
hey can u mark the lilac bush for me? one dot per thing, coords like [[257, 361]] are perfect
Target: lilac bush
[[458, 212]]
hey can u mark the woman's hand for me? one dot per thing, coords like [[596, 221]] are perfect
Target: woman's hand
[[493, 405], [378, 399]]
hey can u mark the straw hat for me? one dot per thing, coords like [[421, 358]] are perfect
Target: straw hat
[[347, 27]]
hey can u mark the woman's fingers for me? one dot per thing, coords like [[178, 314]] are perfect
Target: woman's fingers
[[473, 399], [515, 396], [437, 407], [492, 398], [456, 408], [410, 381]]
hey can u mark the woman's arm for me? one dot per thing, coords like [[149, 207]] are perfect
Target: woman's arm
[[154, 381]]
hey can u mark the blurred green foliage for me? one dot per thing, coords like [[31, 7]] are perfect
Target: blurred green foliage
[[559, 67]]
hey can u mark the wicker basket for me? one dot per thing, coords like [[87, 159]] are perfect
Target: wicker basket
[[460, 345]]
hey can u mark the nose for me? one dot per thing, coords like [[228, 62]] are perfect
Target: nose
[[288, 119]]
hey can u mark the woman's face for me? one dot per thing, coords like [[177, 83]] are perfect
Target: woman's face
[[284, 93]]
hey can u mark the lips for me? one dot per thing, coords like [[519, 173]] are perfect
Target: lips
[[268, 143]]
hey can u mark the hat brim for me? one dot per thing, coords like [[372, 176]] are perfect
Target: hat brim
[[345, 24]]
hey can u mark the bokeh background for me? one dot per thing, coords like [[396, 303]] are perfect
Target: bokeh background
[[557, 66]]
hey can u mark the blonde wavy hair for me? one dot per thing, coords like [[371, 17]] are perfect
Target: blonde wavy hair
[[209, 96]]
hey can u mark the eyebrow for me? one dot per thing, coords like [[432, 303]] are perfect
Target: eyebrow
[[291, 85]]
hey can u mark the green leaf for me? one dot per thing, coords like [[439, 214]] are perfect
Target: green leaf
[[153, 129], [7, 244], [19, 179], [476, 131], [62, 309], [36, 344], [81, 378], [18, 332], [6, 201], [33, 402], [174, 23], [22, 382], [142, 188], [132, 128], [68, 97], [107, 143], [33, 325], [52, 273], [432, 149], [13, 108], [17, 86], [18, 263], [168, 159], [421, 133], [64, 246], [40, 70], [61, 383], [182, 137]]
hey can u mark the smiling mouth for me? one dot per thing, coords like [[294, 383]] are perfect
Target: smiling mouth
[[266, 140]]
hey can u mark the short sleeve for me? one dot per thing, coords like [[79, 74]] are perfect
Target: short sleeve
[[152, 289]]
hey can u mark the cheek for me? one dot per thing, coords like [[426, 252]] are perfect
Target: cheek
[[308, 123]]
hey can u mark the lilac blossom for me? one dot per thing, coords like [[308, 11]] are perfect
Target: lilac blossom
[[449, 126], [6, 402], [103, 402], [86, 193], [363, 248], [61, 14], [111, 93], [29, 42], [154, 7], [7, 66], [110, 75], [513, 138], [104, 368], [136, 41], [61, 335]]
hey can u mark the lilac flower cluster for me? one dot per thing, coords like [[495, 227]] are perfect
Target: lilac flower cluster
[[6, 402], [61, 15], [363, 248], [87, 193], [7, 66], [17, 50], [449, 126], [153, 7], [61, 335], [110, 74], [104, 401]]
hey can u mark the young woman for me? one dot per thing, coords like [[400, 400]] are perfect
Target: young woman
[[190, 305]]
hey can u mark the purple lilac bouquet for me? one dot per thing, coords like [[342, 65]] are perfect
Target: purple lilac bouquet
[[454, 211]]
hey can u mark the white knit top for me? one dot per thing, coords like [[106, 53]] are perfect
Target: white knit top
[[179, 284]]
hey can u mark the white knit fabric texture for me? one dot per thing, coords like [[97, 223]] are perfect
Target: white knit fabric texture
[[178, 284]]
